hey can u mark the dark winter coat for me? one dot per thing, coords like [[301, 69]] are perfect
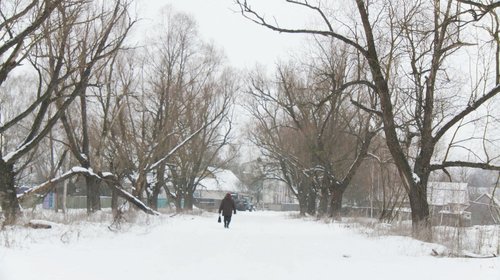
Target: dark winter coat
[[227, 206]]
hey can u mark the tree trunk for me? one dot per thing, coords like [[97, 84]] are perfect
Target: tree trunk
[[302, 198], [179, 202], [170, 196], [93, 194], [421, 223], [188, 201], [311, 202], [114, 203], [57, 198], [160, 182], [336, 202], [153, 198], [8, 197], [65, 197], [323, 202]]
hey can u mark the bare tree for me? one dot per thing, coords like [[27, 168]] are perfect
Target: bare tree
[[181, 105], [97, 24], [23, 32], [192, 89], [413, 43], [19, 29], [202, 155], [315, 124], [72, 43], [275, 139]]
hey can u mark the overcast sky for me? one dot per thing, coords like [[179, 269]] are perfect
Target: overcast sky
[[245, 43]]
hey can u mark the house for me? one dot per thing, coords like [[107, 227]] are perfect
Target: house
[[485, 210], [270, 192], [448, 196], [212, 189], [277, 196], [448, 202]]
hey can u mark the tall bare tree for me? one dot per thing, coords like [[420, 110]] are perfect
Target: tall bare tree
[[210, 104], [99, 26], [314, 127], [24, 31], [192, 95], [413, 44], [65, 49], [182, 104]]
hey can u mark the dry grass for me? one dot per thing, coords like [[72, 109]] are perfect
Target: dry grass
[[460, 241]]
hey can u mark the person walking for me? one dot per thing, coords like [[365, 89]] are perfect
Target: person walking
[[227, 207]]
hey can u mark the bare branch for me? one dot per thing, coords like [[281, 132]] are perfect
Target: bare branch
[[254, 16], [315, 8], [486, 166], [470, 108], [364, 108]]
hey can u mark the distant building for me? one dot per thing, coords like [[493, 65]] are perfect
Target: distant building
[[270, 192], [448, 202], [276, 195], [447, 196], [212, 189], [485, 210]]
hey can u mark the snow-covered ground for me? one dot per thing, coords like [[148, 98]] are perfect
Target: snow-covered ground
[[259, 245]]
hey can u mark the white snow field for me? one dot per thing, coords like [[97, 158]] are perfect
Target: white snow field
[[258, 245]]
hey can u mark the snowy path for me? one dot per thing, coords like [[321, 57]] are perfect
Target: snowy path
[[259, 245]]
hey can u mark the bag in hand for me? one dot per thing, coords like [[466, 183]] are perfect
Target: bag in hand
[[218, 220]]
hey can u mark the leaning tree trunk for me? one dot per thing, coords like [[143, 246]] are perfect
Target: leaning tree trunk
[[421, 222], [8, 197]]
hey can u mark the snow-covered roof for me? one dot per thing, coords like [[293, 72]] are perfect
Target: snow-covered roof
[[443, 193], [222, 180]]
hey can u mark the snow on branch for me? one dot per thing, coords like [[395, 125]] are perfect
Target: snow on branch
[[16, 153], [48, 185], [110, 179]]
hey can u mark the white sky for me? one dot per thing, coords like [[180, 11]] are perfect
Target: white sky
[[245, 43]]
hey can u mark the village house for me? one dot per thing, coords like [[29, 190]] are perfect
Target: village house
[[448, 202], [212, 189], [270, 192], [277, 196], [485, 210]]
